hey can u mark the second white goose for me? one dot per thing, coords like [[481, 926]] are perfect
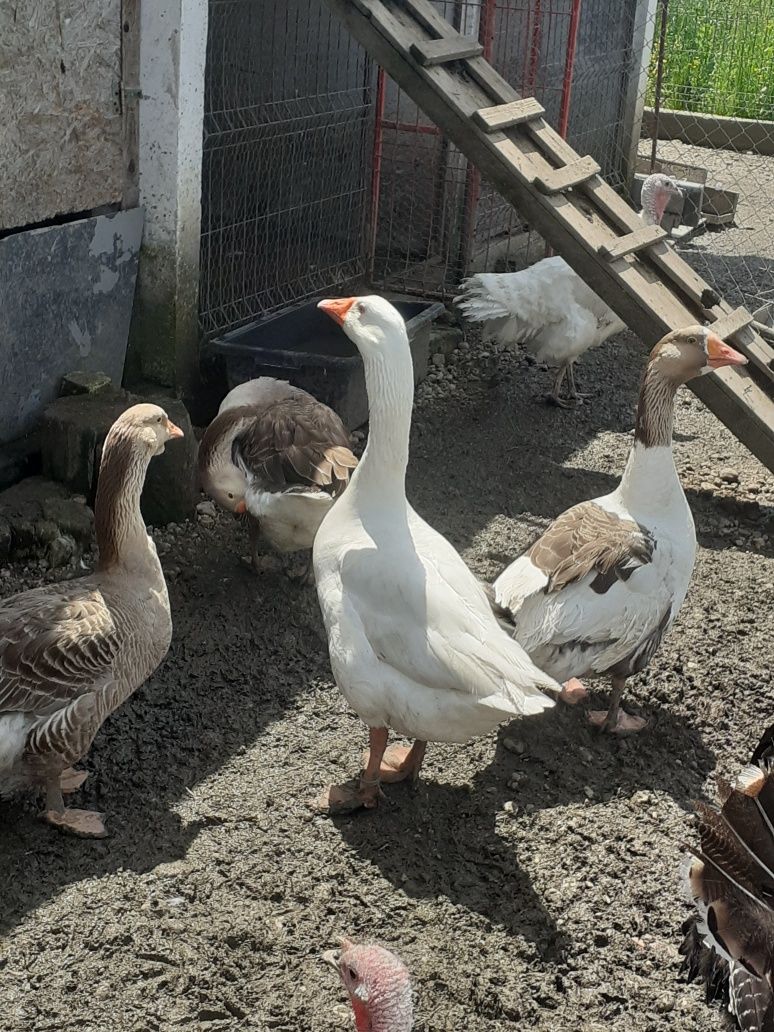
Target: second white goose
[[596, 593]]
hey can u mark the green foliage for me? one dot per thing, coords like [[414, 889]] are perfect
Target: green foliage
[[719, 58]]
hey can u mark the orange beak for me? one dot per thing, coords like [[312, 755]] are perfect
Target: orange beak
[[721, 354], [174, 431], [337, 307], [240, 507]]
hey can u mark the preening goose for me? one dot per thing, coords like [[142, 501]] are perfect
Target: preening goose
[[71, 653], [279, 456], [596, 593], [378, 984], [548, 307], [414, 645], [729, 943]]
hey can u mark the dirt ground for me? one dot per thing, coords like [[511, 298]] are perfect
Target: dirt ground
[[532, 881]]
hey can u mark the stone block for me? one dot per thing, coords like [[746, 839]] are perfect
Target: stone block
[[80, 382], [41, 519], [73, 433], [444, 340]]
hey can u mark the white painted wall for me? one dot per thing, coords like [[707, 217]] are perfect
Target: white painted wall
[[173, 43]]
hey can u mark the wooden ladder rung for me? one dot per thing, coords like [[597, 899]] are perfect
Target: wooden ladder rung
[[560, 179], [732, 322], [632, 242], [503, 116], [432, 52]]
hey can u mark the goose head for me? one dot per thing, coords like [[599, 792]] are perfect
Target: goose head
[[379, 986], [657, 191], [683, 354], [147, 426], [371, 323]]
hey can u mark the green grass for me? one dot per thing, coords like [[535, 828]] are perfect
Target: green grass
[[719, 58]]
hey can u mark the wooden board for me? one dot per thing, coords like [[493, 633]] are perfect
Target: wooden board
[[442, 51], [653, 291], [504, 116], [633, 242]]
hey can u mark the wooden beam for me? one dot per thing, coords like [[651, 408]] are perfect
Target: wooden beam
[[431, 52], [633, 242], [732, 322], [504, 116], [562, 179], [636, 290]]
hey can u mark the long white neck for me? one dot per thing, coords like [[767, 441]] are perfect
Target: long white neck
[[381, 473], [650, 480]]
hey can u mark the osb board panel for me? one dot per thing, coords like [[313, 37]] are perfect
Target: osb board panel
[[61, 130]]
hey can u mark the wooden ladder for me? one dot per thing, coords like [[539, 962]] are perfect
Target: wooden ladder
[[563, 196]]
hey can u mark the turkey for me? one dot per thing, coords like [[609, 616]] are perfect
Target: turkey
[[548, 307], [729, 944], [378, 984]]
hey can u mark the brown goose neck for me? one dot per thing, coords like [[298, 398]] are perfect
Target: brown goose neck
[[655, 410], [118, 522]]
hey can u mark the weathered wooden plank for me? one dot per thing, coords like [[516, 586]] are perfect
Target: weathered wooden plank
[[574, 174], [731, 322], [636, 290], [430, 52], [633, 243], [504, 116]]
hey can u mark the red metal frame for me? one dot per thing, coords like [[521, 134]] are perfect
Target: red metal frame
[[472, 196]]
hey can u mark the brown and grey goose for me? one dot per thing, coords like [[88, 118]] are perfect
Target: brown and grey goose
[[72, 653], [279, 456], [596, 593], [729, 942]]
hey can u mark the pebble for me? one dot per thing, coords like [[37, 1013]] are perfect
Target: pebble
[[439, 360], [729, 476], [514, 745], [206, 508]]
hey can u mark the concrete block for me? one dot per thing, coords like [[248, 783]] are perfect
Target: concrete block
[[84, 383], [40, 518], [445, 339], [73, 433]]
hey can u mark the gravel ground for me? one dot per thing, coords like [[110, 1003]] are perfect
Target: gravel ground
[[533, 878]]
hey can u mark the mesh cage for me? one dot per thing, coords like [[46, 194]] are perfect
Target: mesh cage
[[288, 139], [320, 173]]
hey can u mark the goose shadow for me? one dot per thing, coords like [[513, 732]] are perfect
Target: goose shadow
[[437, 840], [442, 840], [208, 701]]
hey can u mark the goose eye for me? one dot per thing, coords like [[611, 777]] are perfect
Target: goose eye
[[692, 340], [158, 419], [361, 309], [231, 496]]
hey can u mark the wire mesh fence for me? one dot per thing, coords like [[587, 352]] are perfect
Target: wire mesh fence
[[320, 173], [709, 120], [287, 158]]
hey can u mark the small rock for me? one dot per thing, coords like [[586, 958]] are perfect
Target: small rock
[[510, 807], [601, 939], [514, 745], [62, 550], [729, 476], [84, 383], [206, 508], [642, 798], [588, 791], [439, 360]]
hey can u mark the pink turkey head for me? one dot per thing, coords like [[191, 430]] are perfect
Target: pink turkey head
[[378, 984]]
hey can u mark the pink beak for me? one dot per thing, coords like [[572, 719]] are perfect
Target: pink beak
[[721, 354]]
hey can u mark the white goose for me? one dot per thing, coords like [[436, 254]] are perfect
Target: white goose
[[596, 593], [414, 645], [548, 307]]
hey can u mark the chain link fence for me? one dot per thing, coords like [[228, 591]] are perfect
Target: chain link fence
[[709, 120]]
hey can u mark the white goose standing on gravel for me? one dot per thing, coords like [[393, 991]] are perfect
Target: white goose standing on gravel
[[596, 593], [414, 645], [548, 307], [71, 653]]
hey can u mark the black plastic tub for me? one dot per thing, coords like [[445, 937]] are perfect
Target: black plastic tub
[[307, 348]]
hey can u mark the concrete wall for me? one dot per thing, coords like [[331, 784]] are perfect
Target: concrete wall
[[60, 120], [164, 335], [716, 131]]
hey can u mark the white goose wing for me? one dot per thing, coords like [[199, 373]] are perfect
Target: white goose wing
[[594, 584], [425, 614]]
